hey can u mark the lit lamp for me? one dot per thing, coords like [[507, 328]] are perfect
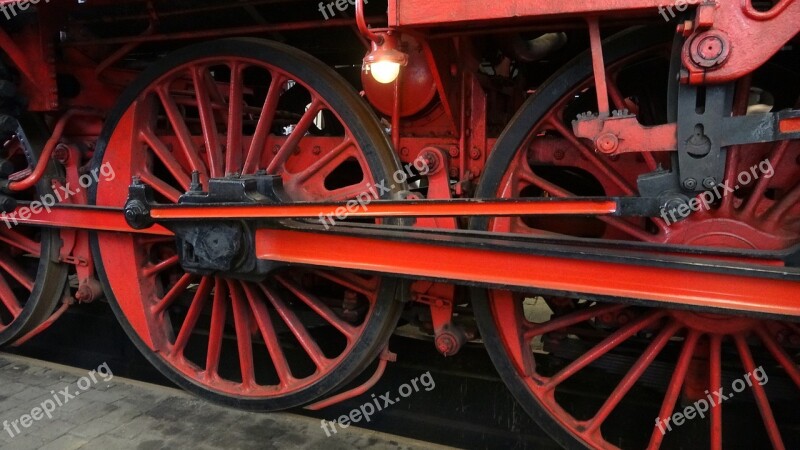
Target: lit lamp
[[384, 60]]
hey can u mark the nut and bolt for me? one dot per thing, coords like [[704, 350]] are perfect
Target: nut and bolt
[[607, 143], [61, 153], [709, 49], [431, 159]]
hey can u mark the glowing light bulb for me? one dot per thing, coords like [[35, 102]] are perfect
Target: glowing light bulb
[[385, 72]]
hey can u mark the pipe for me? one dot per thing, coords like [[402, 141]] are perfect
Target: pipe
[[362, 24], [44, 159]]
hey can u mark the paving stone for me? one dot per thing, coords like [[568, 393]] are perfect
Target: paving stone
[[65, 442], [23, 443], [104, 394], [47, 429], [110, 442], [93, 428], [122, 414], [11, 388], [90, 411], [27, 395]]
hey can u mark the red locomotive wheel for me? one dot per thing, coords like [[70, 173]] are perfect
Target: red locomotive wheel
[[226, 108], [31, 279], [645, 365]]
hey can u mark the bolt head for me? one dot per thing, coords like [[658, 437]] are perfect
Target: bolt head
[[709, 183], [690, 183], [607, 143], [710, 49], [446, 344]]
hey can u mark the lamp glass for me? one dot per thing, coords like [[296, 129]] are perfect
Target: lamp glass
[[385, 72]]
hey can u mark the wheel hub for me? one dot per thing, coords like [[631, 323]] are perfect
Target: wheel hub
[[726, 233], [713, 323]]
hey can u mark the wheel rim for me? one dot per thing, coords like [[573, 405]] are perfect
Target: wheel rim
[[301, 332], [31, 283], [700, 348]]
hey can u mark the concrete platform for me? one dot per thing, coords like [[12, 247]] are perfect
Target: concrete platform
[[49, 406]]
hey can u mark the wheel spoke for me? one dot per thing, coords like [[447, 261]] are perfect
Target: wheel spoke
[[675, 384], [298, 330], [351, 281], [297, 133], [321, 309], [165, 156], [155, 269], [527, 175], [608, 344], [16, 272], [779, 210], [19, 241], [715, 383], [241, 321], [569, 320], [208, 121], [217, 332], [757, 196], [233, 161], [264, 124], [780, 355], [351, 192], [592, 156], [262, 316], [182, 132], [174, 293], [190, 322], [160, 186], [317, 172], [8, 299], [634, 374], [758, 392]]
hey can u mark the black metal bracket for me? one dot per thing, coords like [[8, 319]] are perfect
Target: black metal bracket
[[701, 157]]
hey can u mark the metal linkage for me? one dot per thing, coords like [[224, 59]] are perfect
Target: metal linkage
[[699, 137]]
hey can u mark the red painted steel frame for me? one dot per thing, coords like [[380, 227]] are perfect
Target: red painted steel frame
[[416, 13], [671, 286]]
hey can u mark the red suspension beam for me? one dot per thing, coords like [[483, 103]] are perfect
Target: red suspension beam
[[677, 287]]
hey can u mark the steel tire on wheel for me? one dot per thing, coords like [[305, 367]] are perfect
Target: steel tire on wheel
[[706, 351], [264, 314], [31, 278]]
